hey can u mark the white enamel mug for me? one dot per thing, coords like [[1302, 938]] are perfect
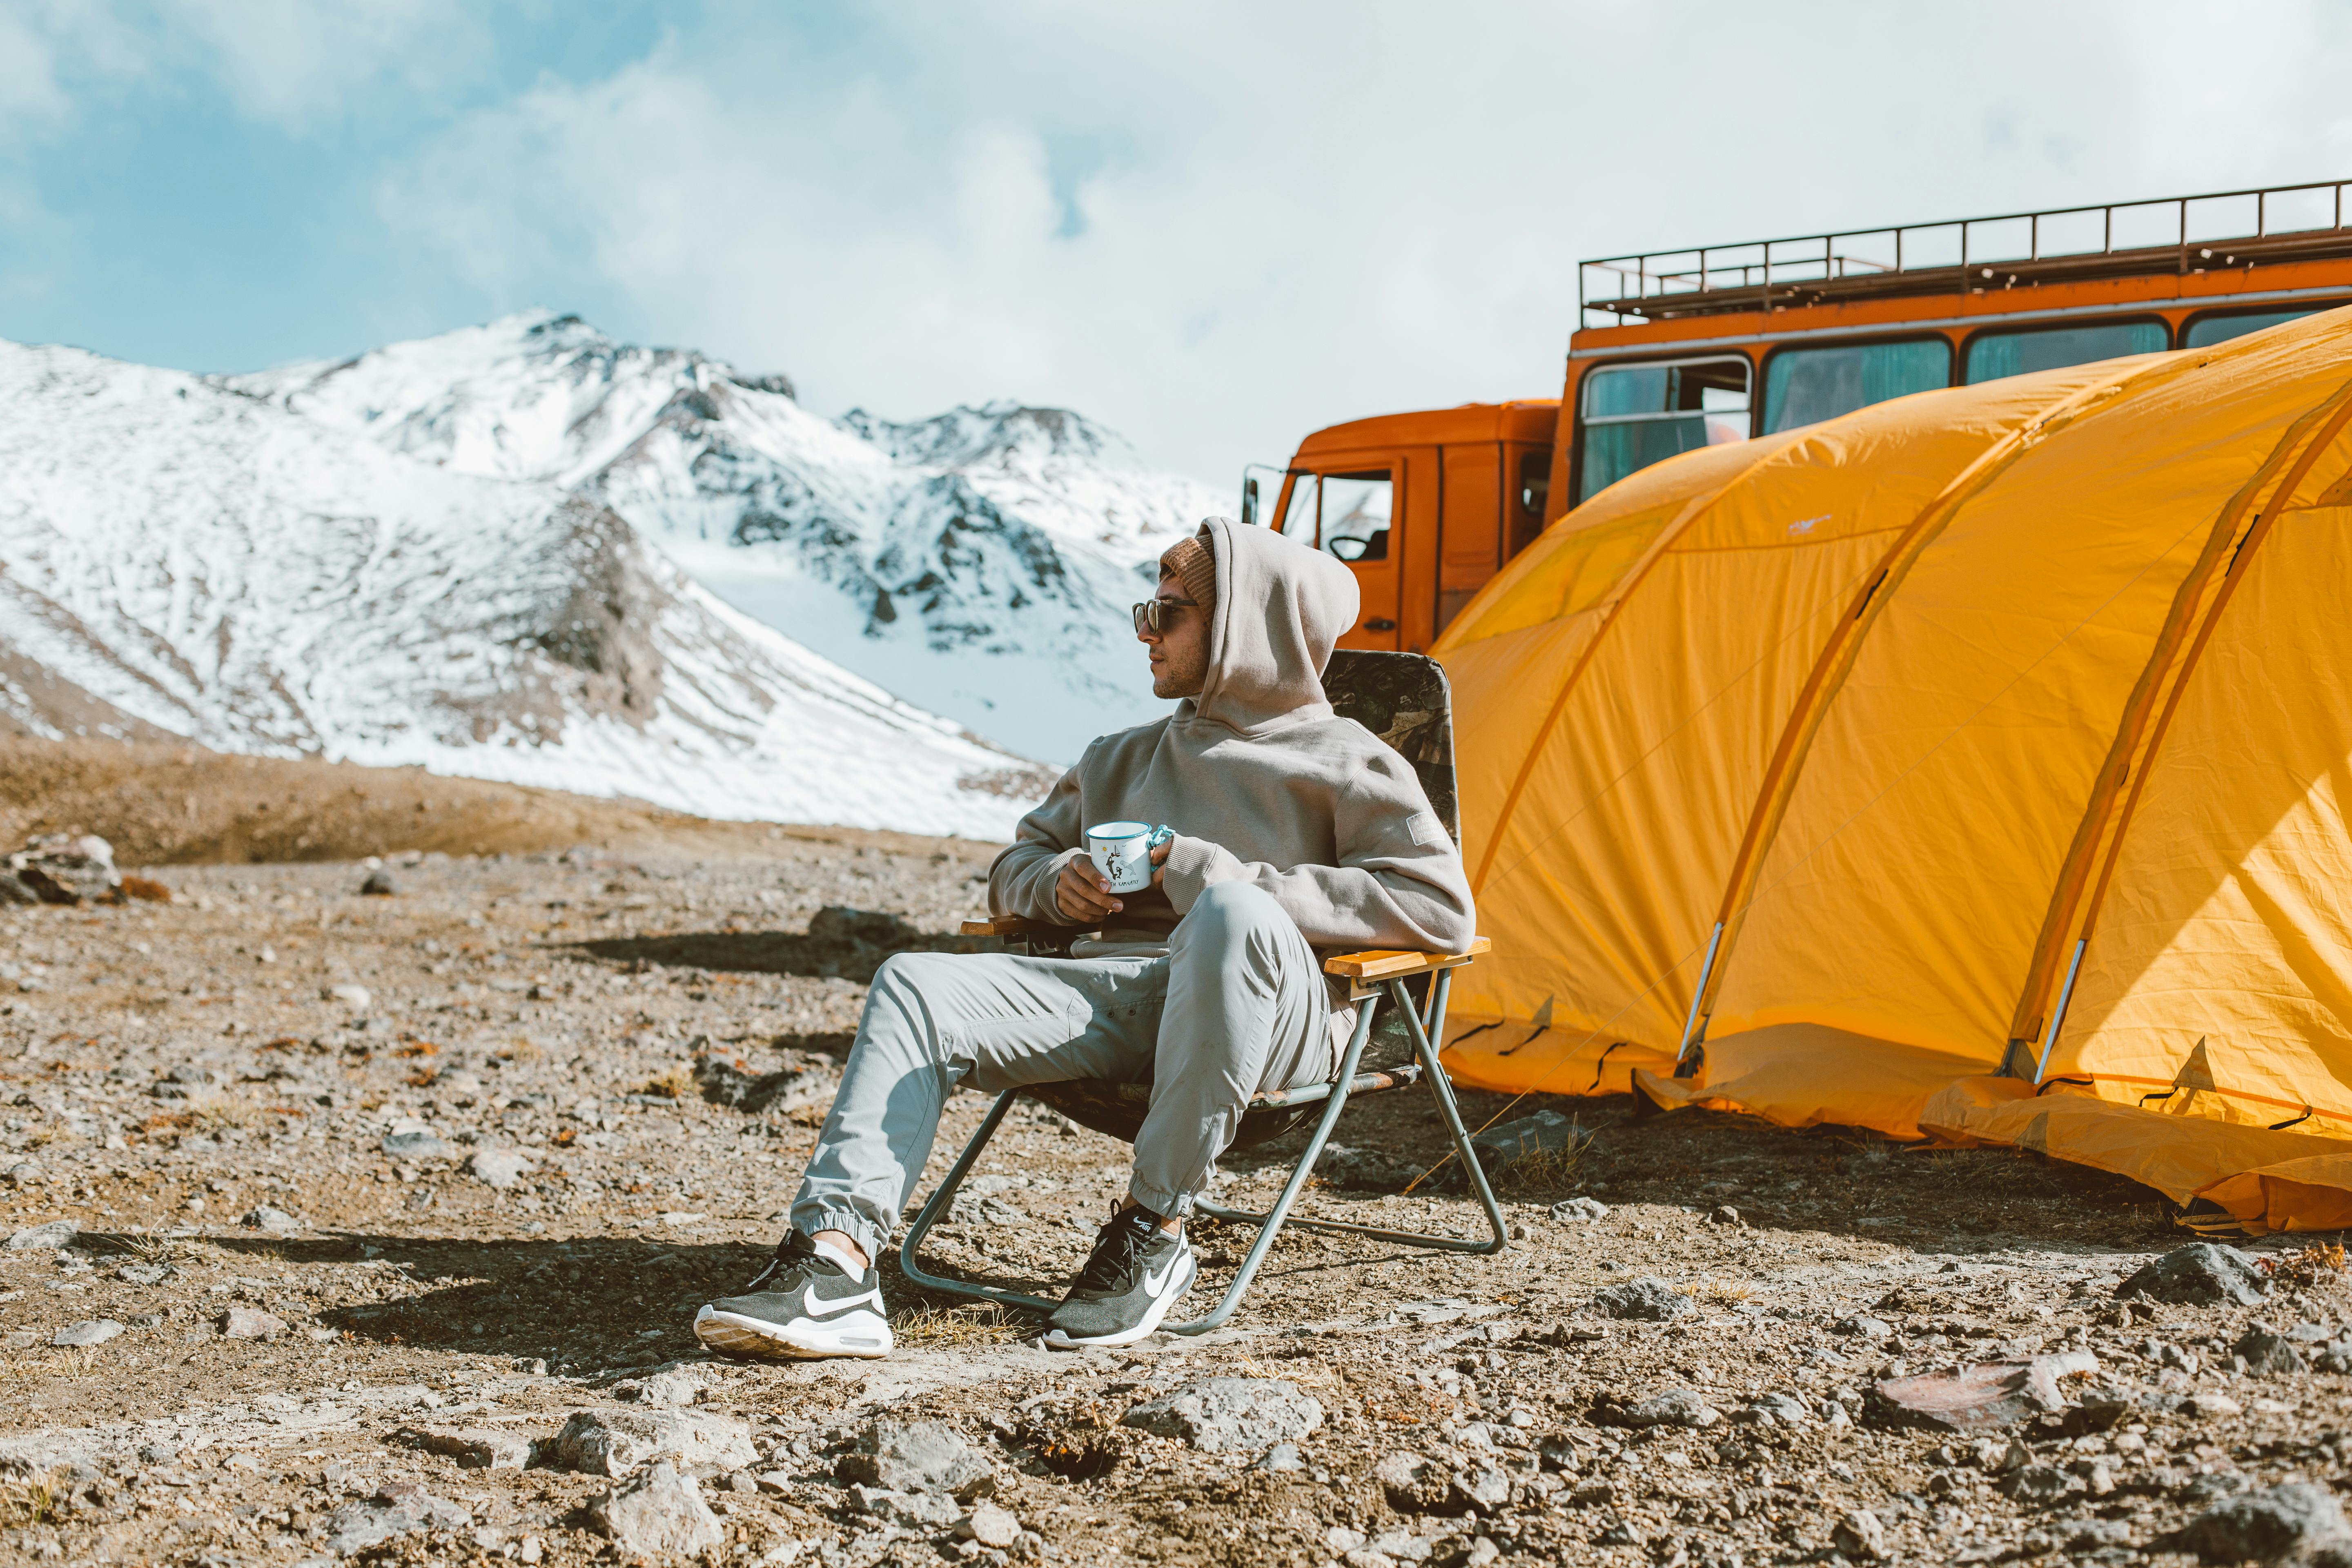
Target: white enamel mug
[[1123, 852]]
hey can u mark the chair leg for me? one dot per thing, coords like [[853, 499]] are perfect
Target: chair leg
[[1270, 1222], [937, 1205], [1442, 1088]]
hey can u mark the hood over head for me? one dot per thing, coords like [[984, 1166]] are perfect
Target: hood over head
[[1280, 607]]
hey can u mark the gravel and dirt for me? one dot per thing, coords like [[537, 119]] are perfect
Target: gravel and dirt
[[370, 1227]]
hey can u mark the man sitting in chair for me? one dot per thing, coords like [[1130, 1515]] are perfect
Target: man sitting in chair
[[1294, 830]]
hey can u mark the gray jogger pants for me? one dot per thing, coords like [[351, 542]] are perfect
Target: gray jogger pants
[[1237, 1006]]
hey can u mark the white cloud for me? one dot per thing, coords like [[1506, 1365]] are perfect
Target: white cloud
[[291, 62], [1285, 215], [1314, 215]]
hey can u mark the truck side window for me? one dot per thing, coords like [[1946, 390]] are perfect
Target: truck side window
[[1355, 513], [1992, 356], [1637, 415], [1804, 386]]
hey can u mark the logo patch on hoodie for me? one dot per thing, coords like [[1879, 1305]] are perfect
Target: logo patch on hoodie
[[1426, 830]]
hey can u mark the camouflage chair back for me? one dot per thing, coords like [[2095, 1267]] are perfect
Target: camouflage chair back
[[1402, 698]]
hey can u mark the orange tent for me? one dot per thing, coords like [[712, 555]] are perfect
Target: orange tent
[[1859, 769]]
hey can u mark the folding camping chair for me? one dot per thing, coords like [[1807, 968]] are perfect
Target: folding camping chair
[[1403, 699]]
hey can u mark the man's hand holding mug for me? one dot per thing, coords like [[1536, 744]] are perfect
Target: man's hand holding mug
[[1118, 854]]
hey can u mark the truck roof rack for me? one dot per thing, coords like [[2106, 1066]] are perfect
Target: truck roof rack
[[2120, 240]]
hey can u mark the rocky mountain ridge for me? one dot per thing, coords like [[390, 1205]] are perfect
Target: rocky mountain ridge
[[978, 563]]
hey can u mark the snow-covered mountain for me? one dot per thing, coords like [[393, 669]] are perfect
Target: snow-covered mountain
[[978, 564], [182, 557]]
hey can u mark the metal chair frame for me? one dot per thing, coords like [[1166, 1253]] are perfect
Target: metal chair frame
[[1388, 973]]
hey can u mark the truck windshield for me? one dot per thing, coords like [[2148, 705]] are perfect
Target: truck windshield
[[1347, 514], [1637, 415]]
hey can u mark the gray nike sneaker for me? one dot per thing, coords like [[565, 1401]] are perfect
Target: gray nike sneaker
[[1135, 1274], [810, 1302]]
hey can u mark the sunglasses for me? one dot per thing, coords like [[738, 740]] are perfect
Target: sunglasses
[[1152, 615]]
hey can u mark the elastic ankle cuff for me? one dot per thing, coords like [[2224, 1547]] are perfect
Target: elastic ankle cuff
[[1166, 1205], [852, 1225]]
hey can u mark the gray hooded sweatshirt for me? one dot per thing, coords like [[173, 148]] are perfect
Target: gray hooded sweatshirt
[[1262, 782]]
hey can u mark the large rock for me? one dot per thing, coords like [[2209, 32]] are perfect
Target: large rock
[[250, 1323], [396, 1510], [478, 1448], [616, 1442], [2268, 1352], [498, 1168], [1860, 1535], [659, 1513], [2202, 1274], [90, 1331], [1983, 1396], [1226, 1414], [50, 1237], [920, 1510], [1413, 1483], [991, 1526], [672, 1387], [415, 1140], [2266, 1525], [919, 1457], [57, 868], [277, 1222], [1673, 1407], [1647, 1299]]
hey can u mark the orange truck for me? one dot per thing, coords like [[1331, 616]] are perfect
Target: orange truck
[[1691, 348]]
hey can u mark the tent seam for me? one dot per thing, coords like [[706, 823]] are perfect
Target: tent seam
[[2231, 577], [1838, 657], [1632, 583], [2129, 753]]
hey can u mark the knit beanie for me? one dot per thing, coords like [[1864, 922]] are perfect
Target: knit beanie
[[1193, 565]]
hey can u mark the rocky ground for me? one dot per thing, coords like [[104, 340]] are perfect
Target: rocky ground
[[372, 1225]]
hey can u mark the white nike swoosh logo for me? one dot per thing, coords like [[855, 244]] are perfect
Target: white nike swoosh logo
[[1153, 1283], [812, 1307]]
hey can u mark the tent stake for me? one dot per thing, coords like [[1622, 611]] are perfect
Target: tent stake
[[2065, 994], [1690, 1024]]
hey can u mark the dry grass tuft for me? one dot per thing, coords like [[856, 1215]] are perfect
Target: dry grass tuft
[[1718, 1292], [1548, 1171], [2321, 1260], [967, 1323], [673, 1082], [170, 1249], [27, 1502]]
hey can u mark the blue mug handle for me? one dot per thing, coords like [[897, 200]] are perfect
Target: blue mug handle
[[1159, 835]]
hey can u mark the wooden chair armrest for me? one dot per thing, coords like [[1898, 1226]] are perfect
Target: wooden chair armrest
[[1018, 925], [999, 925], [1395, 964]]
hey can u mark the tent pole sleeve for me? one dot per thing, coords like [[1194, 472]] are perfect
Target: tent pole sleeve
[[2058, 1015], [1705, 971]]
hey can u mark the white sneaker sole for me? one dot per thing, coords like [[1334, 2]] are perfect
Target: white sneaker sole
[[865, 1334], [1055, 1340]]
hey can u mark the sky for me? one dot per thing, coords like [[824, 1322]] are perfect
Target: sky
[[1213, 227]]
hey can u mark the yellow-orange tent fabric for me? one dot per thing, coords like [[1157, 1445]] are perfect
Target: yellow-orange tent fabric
[[1911, 718]]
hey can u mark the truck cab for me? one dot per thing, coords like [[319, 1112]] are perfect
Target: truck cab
[[1422, 507]]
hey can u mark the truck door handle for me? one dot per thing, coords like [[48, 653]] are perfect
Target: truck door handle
[[1379, 624]]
